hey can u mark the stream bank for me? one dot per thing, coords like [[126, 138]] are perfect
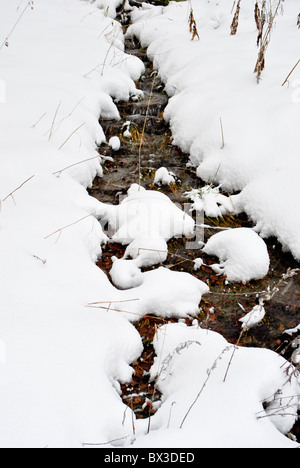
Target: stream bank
[[223, 306]]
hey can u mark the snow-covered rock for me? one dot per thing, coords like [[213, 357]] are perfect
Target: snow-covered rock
[[164, 177], [242, 253]]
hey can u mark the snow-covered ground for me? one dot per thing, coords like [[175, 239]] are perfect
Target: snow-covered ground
[[62, 356], [239, 134]]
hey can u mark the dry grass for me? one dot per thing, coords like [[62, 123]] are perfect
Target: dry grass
[[192, 24], [235, 21], [264, 17]]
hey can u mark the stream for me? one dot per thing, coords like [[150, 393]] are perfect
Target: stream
[[223, 306]]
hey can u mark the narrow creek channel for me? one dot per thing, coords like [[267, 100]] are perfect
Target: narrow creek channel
[[221, 309]]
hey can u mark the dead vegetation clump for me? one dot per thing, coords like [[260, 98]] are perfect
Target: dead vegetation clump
[[265, 21], [193, 24], [235, 21]]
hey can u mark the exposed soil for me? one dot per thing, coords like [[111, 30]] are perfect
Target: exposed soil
[[222, 307]]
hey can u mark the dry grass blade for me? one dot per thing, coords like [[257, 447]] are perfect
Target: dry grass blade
[[291, 73], [69, 225], [20, 186]]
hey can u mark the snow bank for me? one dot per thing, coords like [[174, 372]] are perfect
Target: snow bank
[[242, 253], [66, 337], [62, 361], [239, 134], [211, 400]]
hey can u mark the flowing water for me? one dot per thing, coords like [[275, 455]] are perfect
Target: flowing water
[[223, 306]]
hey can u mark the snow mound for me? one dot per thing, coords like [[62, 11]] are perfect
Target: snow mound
[[254, 317], [164, 177], [125, 274], [146, 219], [161, 292], [169, 293], [115, 143], [148, 251], [248, 407], [242, 253]]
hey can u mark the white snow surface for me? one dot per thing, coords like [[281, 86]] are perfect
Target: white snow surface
[[239, 134], [66, 334], [243, 254], [192, 365], [164, 177]]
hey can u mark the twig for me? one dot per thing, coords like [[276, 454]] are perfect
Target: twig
[[69, 225], [114, 310], [57, 125], [11, 193], [290, 73], [113, 302], [53, 121], [222, 132], [144, 126], [232, 355], [85, 444], [38, 121], [76, 164], [71, 135], [5, 42], [209, 371]]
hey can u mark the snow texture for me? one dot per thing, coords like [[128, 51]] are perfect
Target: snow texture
[[66, 335], [239, 134], [243, 254]]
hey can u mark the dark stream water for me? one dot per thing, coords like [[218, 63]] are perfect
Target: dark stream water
[[221, 308]]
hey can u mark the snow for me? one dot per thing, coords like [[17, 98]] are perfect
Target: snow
[[114, 143], [254, 317], [164, 177], [191, 365], [67, 339], [240, 135], [146, 214], [59, 370], [209, 200], [243, 254], [198, 262]]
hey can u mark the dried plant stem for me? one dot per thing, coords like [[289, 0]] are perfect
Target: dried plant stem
[[20, 186], [235, 21], [264, 41], [209, 372], [235, 347], [192, 23], [113, 302], [290, 73], [222, 133], [53, 121], [38, 121], [29, 4], [76, 164], [69, 225], [144, 126], [55, 126], [74, 131]]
